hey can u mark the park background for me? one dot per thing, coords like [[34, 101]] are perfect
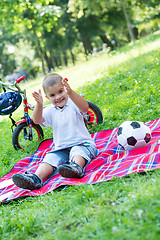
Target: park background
[[42, 35], [121, 77]]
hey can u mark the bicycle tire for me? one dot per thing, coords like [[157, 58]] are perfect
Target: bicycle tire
[[94, 116], [20, 142]]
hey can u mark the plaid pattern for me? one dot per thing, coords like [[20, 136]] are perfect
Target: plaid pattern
[[112, 161]]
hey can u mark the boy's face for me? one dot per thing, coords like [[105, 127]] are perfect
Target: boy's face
[[57, 95]]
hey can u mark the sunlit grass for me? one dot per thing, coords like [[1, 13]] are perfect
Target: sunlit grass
[[102, 65]]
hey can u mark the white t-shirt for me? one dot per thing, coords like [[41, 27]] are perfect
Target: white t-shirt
[[68, 125]]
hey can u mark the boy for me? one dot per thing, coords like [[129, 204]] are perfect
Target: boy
[[74, 147]]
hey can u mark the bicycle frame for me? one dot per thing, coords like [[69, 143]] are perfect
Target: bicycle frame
[[26, 117]]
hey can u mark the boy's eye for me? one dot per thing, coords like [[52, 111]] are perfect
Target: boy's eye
[[60, 91]]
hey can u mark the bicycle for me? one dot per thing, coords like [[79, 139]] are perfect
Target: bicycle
[[25, 130]]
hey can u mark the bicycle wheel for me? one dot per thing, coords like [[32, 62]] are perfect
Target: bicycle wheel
[[20, 138], [93, 116]]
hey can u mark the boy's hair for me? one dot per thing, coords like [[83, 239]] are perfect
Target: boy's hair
[[51, 80]]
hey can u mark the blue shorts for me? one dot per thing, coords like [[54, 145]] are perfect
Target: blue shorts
[[57, 157]]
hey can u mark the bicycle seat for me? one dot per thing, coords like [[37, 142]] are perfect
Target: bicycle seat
[[9, 102]]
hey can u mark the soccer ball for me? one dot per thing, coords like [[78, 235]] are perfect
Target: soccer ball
[[133, 134]]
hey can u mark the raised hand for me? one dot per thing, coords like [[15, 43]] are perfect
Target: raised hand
[[38, 97], [75, 97], [37, 112], [67, 86]]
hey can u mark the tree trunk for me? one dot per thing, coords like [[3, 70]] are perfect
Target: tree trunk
[[107, 41], [49, 62], [59, 60], [40, 52], [65, 58], [56, 61], [127, 21], [72, 56], [115, 40], [87, 46]]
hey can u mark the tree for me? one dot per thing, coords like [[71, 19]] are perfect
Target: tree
[[7, 59], [32, 16], [55, 28], [103, 8]]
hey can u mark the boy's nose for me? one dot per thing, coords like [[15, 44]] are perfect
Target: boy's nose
[[57, 96]]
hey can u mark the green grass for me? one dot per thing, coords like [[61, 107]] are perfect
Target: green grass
[[125, 84]]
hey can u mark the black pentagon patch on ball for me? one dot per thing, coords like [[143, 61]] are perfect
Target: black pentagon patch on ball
[[131, 141], [147, 138], [135, 125], [119, 131]]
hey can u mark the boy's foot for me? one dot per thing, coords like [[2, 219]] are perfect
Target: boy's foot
[[27, 181], [72, 170]]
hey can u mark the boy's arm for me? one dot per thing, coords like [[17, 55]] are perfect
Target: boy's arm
[[76, 98], [79, 101], [37, 113]]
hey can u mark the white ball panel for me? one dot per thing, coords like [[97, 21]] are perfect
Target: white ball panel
[[141, 143], [129, 147], [127, 130], [147, 129], [122, 140], [139, 133]]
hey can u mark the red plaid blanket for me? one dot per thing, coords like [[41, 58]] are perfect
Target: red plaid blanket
[[112, 161]]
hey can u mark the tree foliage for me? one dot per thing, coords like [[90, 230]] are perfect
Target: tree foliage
[[55, 29]]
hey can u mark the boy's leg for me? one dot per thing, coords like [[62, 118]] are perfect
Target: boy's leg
[[79, 156], [79, 160], [33, 181], [73, 169], [44, 170]]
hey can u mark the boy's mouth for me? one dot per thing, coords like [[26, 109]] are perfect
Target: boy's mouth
[[60, 100]]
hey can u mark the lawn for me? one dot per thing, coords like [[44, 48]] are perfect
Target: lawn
[[125, 84]]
